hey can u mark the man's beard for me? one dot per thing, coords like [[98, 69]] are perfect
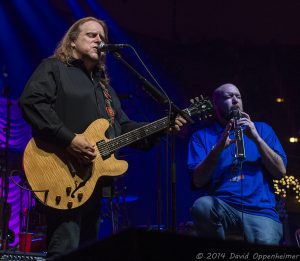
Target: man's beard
[[227, 115]]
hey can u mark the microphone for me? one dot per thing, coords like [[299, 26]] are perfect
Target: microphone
[[103, 47], [238, 134], [235, 113]]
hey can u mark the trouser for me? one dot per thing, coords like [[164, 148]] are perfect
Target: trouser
[[214, 218], [69, 229]]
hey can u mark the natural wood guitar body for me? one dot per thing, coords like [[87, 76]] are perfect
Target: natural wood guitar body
[[56, 174]]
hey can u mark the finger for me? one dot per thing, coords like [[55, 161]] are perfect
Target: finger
[[177, 122], [87, 143], [89, 154], [246, 115], [91, 157], [89, 146], [182, 120], [232, 141], [91, 149], [242, 122], [228, 126], [177, 128]]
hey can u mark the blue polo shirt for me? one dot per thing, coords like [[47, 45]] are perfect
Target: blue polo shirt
[[249, 188]]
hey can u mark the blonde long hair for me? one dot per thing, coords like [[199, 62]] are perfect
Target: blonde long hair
[[63, 52]]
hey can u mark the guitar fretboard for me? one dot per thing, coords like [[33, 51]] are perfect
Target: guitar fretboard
[[106, 148]]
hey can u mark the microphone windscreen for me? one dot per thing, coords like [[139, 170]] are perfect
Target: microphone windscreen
[[235, 113]]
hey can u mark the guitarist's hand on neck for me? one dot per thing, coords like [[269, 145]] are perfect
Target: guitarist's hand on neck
[[178, 124], [82, 149]]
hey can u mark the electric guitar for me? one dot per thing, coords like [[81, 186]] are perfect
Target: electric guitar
[[59, 181]]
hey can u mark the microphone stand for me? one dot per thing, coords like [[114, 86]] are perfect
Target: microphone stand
[[239, 154], [152, 90], [162, 99], [173, 183], [5, 183]]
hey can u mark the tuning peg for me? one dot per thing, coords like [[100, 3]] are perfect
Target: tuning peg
[[192, 101], [197, 99], [201, 97]]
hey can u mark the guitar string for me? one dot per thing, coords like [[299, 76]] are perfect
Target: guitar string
[[127, 138], [133, 136], [136, 133]]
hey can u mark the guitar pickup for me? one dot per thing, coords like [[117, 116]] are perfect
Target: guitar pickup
[[103, 149]]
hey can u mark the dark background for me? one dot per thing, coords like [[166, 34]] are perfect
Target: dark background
[[191, 47]]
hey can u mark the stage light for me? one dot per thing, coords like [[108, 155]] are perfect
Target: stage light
[[287, 187], [279, 100], [293, 139]]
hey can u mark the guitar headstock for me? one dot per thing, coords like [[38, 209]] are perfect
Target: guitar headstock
[[200, 106]]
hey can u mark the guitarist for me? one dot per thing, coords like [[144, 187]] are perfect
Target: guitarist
[[65, 94]]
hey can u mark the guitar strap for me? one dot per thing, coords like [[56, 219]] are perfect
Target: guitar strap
[[108, 103]]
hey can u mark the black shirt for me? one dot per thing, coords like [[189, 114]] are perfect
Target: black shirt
[[61, 99]]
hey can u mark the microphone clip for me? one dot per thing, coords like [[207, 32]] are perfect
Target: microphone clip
[[103, 47]]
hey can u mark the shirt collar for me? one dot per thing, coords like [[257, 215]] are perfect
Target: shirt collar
[[76, 62], [79, 64]]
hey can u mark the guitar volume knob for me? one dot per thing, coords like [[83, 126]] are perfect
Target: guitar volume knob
[[69, 205], [80, 196], [57, 199], [68, 191]]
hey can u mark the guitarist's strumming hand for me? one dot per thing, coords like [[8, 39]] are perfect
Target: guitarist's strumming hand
[[82, 149]]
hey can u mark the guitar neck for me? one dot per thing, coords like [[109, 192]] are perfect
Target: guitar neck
[[106, 148]]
